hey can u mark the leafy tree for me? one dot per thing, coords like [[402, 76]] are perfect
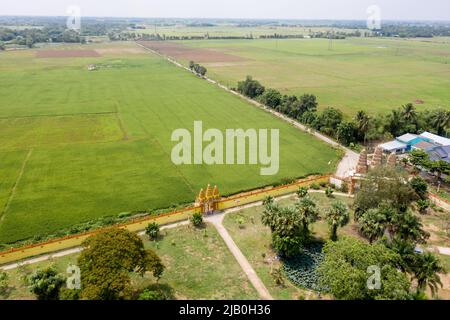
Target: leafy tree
[[344, 271], [346, 133], [108, 259], [329, 120], [152, 230], [386, 186], [197, 219], [419, 158], [46, 283], [2, 46], [439, 167], [250, 88], [420, 186], [426, 272], [337, 216], [271, 98], [308, 103]]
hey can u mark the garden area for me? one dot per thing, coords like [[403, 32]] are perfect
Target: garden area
[[197, 266]]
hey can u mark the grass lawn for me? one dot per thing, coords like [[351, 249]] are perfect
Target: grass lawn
[[198, 266], [254, 240], [375, 75], [76, 145]]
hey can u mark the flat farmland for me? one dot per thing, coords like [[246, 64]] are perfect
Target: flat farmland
[[375, 75], [77, 145]]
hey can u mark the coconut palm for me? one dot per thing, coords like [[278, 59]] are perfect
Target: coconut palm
[[409, 113], [337, 216], [307, 211], [363, 122], [426, 272], [440, 120], [372, 224]]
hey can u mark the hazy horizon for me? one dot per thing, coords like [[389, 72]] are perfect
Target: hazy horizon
[[400, 10]]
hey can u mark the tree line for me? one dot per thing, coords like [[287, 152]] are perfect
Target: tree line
[[359, 130]]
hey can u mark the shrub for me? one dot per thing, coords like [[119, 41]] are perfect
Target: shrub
[[277, 276], [152, 230], [197, 219], [420, 186], [302, 192], [329, 192], [423, 205], [323, 184], [148, 294], [46, 283], [315, 186], [3, 283]]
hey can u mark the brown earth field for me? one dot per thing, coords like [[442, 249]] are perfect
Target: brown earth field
[[67, 54], [180, 51]]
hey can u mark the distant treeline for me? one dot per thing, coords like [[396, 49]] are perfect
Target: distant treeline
[[414, 31], [361, 129], [29, 37]]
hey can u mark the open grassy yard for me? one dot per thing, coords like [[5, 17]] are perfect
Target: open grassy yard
[[254, 240], [375, 75], [76, 145], [198, 266]]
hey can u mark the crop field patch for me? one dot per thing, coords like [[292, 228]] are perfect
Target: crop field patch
[[67, 54], [23, 133], [356, 74], [101, 140], [179, 51]]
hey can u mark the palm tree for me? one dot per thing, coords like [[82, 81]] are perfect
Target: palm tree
[[440, 120], [372, 224], [394, 122], [337, 216], [363, 122], [426, 272], [409, 114], [307, 212]]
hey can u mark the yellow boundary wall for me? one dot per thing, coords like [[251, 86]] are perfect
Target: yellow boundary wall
[[136, 225]]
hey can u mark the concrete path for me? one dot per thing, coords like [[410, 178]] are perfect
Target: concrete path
[[216, 221]]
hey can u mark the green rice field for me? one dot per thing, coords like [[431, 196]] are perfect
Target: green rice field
[[76, 145], [375, 75]]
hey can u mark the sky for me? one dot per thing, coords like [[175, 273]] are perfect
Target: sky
[[248, 9]]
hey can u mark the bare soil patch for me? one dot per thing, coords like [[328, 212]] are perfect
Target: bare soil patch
[[179, 51], [67, 54], [119, 50]]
